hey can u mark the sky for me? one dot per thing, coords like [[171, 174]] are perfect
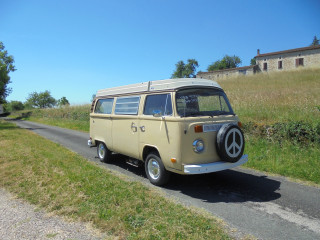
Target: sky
[[75, 47]]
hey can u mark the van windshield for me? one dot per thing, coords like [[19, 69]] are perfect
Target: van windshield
[[202, 102]]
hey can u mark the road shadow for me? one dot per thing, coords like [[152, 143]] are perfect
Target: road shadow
[[225, 186]]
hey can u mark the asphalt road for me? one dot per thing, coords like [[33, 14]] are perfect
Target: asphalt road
[[250, 202]]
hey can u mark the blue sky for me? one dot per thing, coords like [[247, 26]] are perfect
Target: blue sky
[[73, 48]]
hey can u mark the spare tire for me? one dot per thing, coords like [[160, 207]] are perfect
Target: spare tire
[[230, 143]]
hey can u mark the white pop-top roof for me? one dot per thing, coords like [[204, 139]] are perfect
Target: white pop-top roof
[[158, 85]]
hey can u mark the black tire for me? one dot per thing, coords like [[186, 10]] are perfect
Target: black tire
[[104, 154], [230, 143], [155, 170]]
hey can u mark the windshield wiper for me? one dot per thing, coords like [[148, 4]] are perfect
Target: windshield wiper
[[194, 114]]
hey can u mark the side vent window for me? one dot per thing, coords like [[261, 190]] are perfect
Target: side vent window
[[127, 105], [104, 106]]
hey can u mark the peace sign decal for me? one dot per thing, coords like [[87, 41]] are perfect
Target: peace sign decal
[[233, 142]]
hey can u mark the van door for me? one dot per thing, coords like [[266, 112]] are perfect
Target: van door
[[159, 128], [126, 125]]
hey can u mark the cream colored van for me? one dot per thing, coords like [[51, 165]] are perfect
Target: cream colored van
[[186, 126]]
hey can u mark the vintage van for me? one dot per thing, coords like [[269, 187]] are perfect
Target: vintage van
[[186, 126]]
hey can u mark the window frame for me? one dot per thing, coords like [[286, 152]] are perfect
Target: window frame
[[169, 96], [101, 100], [123, 103]]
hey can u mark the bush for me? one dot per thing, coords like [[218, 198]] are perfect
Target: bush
[[296, 132]]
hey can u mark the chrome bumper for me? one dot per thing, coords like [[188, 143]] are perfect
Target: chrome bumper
[[213, 167], [90, 144]]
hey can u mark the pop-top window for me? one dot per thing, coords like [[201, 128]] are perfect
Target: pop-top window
[[202, 102], [104, 106], [127, 105], [158, 104]]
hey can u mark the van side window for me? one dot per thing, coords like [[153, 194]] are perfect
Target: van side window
[[104, 106], [127, 105], [158, 103]]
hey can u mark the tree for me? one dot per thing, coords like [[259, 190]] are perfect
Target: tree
[[14, 106], [185, 70], [41, 100], [226, 62], [315, 41], [63, 102], [6, 66], [253, 61]]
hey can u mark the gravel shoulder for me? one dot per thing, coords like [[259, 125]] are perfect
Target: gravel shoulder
[[20, 220]]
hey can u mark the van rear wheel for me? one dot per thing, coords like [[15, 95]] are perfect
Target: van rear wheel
[[155, 170], [103, 152]]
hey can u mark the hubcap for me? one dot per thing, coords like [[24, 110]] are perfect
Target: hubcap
[[234, 143], [153, 169], [102, 151]]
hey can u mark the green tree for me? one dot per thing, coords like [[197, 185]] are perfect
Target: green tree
[[226, 62], [41, 100], [6, 66], [187, 70], [315, 41], [14, 106], [63, 102], [253, 61]]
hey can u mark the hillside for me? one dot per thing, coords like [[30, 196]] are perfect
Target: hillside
[[276, 97]]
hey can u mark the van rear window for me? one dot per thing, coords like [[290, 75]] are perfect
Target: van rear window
[[104, 106], [127, 105]]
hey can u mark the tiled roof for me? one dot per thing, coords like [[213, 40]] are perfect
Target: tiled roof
[[289, 51]]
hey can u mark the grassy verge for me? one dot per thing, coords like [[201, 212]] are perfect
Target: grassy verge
[[72, 117], [50, 176], [284, 158]]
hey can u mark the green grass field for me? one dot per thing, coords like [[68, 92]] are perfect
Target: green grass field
[[280, 113], [62, 182]]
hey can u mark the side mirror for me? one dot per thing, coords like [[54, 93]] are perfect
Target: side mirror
[[157, 113]]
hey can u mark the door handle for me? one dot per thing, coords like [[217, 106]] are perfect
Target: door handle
[[134, 127]]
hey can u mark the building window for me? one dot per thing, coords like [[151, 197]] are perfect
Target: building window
[[280, 57], [244, 72], [299, 62], [265, 66], [279, 64]]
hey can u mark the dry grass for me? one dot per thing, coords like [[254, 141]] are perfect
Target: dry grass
[[276, 97]]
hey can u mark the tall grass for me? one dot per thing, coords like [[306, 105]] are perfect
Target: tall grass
[[276, 97], [72, 117]]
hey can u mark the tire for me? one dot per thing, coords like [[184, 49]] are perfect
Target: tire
[[230, 143], [155, 170], [104, 154]]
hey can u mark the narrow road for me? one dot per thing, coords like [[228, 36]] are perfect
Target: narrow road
[[249, 201]]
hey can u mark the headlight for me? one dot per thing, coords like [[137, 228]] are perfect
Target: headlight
[[198, 146]]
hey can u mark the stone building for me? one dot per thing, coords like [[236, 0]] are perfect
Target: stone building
[[288, 59], [271, 62], [219, 75]]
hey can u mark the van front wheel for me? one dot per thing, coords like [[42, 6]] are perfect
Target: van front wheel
[[156, 172], [103, 152]]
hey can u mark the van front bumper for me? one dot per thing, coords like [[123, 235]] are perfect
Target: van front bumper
[[90, 143], [213, 167]]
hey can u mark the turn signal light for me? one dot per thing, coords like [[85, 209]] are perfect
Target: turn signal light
[[198, 128], [173, 160], [239, 124]]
